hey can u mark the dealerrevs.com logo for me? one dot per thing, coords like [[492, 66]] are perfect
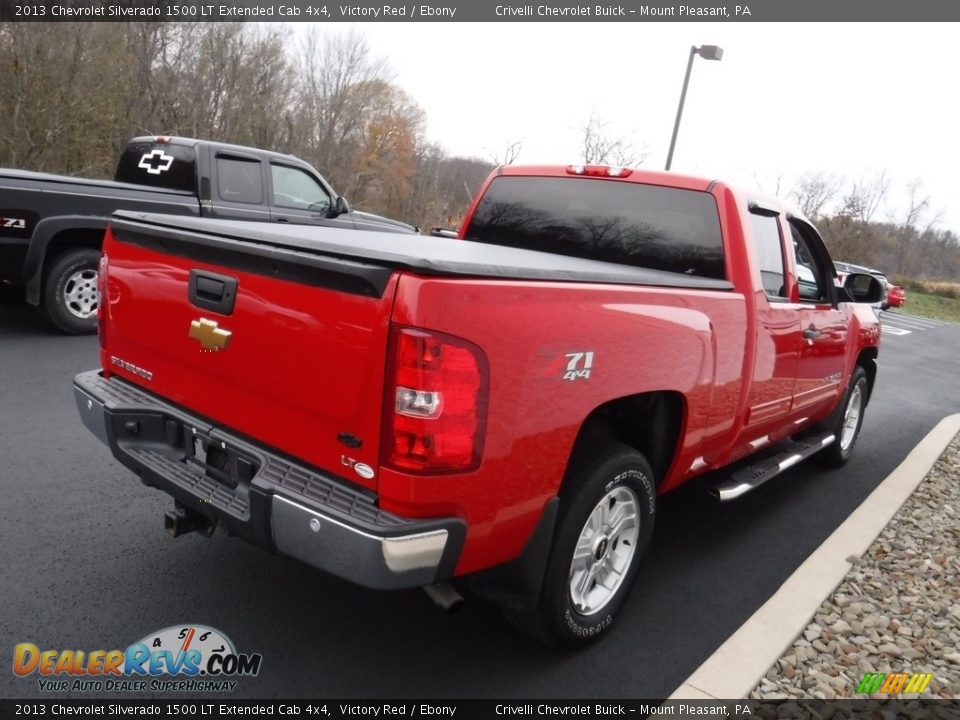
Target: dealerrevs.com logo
[[180, 658]]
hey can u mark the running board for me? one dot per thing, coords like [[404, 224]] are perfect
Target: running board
[[753, 476]]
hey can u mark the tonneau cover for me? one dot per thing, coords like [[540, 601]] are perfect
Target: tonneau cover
[[423, 254], [31, 176]]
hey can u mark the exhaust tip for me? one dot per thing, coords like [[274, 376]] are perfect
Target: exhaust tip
[[445, 597]]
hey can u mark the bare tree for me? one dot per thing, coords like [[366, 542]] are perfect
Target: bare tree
[[600, 149], [916, 224], [339, 81], [443, 187], [865, 197], [770, 183], [814, 193], [508, 155]]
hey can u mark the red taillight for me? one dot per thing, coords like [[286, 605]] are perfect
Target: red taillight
[[102, 301], [436, 403]]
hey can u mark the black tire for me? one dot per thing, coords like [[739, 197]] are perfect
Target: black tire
[[602, 472], [70, 295], [839, 451]]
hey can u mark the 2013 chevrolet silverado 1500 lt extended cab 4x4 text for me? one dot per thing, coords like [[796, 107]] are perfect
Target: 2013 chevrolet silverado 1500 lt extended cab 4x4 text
[[51, 226], [401, 411]]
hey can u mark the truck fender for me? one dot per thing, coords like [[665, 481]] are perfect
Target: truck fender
[[43, 233]]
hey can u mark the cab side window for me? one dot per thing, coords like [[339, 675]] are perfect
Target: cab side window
[[766, 241], [812, 274], [293, 188]]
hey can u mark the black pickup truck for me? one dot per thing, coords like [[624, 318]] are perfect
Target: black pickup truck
[[51, 226]]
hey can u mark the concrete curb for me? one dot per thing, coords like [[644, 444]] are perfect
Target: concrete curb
[[738, 665]]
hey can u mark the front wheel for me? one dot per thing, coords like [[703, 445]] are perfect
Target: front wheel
[[846, 428], [70, 296], [604, 526]]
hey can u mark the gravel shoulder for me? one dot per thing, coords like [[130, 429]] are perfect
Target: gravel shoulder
[[897, 609]]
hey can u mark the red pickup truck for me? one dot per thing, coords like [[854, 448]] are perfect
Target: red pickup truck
[[405, 410]]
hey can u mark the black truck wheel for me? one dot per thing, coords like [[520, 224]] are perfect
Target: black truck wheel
[[603, 528], [70, 296]]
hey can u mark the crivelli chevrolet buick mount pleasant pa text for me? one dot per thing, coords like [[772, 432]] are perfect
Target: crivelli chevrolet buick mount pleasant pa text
[[504, 407]]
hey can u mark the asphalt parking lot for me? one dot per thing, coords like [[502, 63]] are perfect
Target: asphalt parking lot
[[86, 563]]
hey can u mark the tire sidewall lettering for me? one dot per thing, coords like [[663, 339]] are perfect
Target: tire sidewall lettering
[[640, 478]]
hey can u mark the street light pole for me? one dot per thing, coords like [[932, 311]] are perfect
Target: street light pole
[[708, 52]]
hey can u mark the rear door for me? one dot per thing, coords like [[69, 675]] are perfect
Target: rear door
[[238, 187], [778, 330]]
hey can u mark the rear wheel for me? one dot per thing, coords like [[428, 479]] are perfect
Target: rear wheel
[[846, 428], [70, 296], [604, 526]]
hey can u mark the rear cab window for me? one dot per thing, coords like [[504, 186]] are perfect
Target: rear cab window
[[628, 223], [162, 165]]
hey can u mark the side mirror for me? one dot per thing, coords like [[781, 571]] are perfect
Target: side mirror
[[863, 288], [338, 208]]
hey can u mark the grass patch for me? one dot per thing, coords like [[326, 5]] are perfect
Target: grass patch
[[936, 307], [942, 288]]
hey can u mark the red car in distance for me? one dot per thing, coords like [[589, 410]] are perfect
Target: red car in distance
[[896, 296]]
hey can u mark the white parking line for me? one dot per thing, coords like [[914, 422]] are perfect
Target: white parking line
[[907, 323], [915, 319], [909, 320], [891, 330]]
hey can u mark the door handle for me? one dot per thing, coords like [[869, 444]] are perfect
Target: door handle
[[212, 291], [811, 333], [282, 219]]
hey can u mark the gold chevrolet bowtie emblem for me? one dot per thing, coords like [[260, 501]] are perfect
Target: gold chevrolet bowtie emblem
[[211, 337]]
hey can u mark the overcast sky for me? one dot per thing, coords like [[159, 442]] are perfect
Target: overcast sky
[[848, 99]]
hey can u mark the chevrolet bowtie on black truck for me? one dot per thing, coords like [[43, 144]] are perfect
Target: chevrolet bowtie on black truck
[[51, 226]]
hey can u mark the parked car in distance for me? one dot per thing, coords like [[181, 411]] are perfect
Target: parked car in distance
[[51, 226], [894, 295]]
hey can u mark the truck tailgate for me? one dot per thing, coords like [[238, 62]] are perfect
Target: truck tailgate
[[285, 346]]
